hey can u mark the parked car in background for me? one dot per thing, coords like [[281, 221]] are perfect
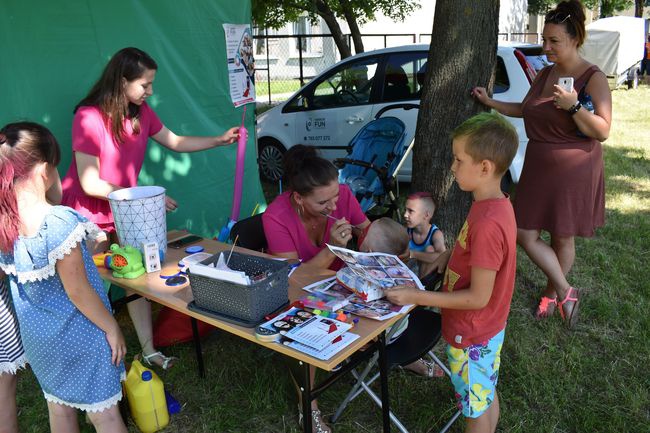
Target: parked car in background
[[329, 110]]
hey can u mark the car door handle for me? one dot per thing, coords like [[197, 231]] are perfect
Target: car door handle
[[354, 119]]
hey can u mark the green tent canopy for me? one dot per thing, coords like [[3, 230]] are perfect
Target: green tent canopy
[[53, 52]]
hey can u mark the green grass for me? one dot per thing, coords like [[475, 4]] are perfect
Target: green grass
[[592, 379], [277, 86]]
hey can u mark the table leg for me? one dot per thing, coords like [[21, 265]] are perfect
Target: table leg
[[305, 389], [197, 346], [383, 372], [119, 303]]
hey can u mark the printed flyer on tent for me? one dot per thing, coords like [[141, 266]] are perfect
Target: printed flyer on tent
[[241, 63]]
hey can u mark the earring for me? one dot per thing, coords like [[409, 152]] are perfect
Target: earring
[[300, 208]]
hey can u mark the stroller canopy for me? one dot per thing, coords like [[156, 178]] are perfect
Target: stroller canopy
[[380, 143]]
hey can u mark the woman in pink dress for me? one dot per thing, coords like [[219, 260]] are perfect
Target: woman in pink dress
[[110, 131], [561, 189]]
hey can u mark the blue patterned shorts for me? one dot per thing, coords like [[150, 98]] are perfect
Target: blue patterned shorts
[[474, 374]]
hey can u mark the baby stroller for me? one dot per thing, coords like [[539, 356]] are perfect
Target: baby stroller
[[375, 156]]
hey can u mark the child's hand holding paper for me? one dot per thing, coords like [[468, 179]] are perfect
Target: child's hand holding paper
[[402, 295]]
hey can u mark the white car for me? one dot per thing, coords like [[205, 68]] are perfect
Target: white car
[[329, 110]]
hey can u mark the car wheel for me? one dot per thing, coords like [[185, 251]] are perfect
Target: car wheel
[[270, 158]]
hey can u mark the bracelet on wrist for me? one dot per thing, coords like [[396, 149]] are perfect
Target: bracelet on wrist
[[573, 110]]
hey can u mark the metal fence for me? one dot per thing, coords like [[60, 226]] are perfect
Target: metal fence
[[528, 38], [284, 63]]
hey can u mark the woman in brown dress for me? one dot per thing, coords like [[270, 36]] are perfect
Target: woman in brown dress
[[561, 189]]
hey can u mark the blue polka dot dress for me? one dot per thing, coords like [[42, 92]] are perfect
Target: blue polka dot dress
[[67, 352]]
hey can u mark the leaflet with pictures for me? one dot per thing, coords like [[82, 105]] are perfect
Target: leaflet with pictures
[[379, 309], [334, 295], [338, 344], [310, 329], [386, 270]]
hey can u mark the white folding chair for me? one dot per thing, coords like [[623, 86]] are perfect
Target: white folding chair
[[419, 338]]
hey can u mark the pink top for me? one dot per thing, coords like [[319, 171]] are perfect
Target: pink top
[[285, 232], [119, 164]]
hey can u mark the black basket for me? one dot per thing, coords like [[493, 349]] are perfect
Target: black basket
[[241, 304]]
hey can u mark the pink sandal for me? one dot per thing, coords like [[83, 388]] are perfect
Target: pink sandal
[[542, 308], [573, 315]]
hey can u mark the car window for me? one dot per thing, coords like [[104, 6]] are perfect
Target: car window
[[404, 76], [345, 86], [535, 56], [501, 81], [538, 62]]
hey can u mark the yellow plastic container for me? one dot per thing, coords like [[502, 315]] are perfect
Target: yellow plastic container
[[146, 396]]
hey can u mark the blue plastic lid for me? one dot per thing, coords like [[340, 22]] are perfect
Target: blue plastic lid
[[194, 249], [146, 376], [176, 281]]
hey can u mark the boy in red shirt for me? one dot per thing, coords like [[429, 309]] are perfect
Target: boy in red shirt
[[480, 276]]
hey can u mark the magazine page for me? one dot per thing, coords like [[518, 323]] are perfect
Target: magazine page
[[318, 332], [334, 295], [380, 309], [337, 345], [386, 270], [307, 328]]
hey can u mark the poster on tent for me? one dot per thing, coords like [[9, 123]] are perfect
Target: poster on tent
[[241, 63]]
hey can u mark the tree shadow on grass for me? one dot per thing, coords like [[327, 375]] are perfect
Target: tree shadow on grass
[[634, 169]]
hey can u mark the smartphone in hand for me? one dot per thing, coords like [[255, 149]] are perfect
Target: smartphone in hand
[[566, 83]]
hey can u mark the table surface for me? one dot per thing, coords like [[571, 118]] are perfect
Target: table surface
[[152, 287]]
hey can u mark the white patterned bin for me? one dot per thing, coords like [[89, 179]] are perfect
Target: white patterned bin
[[139, 215]]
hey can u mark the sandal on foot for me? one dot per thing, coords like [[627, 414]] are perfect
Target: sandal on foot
[[572, 295], [432, 369], [542, 309], [166, 360], [317, 423]]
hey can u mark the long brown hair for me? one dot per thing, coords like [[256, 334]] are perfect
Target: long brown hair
[[108, 92], [22, 146]]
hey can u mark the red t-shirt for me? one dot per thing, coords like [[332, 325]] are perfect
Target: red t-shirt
[[487, 240]]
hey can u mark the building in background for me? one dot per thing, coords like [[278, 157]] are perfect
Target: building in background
[[297, 52], [289, 57]]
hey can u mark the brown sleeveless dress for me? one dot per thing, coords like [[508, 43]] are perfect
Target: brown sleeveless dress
[[562, 187]]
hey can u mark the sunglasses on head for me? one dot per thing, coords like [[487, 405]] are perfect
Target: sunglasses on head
[[556, 17]]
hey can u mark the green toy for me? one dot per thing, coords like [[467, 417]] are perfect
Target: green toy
[[126, 262]]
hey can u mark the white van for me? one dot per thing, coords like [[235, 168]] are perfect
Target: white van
[[329, 110]]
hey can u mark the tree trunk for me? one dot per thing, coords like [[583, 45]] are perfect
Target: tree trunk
[[330, 19], [351, 19], [462, 55], [638, 8]]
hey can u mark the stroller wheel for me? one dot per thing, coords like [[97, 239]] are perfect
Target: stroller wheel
[[270, 160]]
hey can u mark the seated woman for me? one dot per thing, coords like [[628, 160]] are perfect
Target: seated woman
[[314, 211]]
